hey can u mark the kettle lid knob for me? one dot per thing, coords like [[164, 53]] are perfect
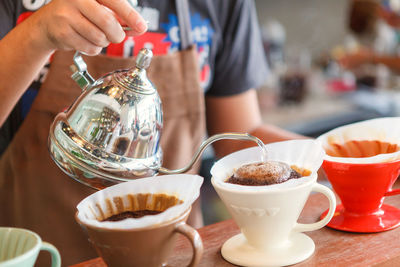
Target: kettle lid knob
[[143, 58], [135, 79]]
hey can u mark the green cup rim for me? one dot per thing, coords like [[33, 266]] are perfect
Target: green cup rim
[[26, 254]]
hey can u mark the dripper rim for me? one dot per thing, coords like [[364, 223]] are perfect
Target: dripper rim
[[309, 156], [272, 188], [104, 229], [394, 156], [88, 210]]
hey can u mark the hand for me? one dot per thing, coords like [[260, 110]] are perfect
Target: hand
[[390, 17], [355, 59], [84, 25]]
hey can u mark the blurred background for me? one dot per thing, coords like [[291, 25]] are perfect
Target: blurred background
[[331, 62]]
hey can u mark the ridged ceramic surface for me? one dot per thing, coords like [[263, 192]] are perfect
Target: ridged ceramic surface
[[14, 243], [258, 212], [380, 132], [184, 187]]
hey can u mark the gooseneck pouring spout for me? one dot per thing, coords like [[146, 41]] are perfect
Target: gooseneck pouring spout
[[212, 139]]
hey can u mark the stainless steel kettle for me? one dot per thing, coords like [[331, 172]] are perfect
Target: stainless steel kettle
[[112, 131]]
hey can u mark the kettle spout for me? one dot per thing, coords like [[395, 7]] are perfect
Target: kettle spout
[[212, 139]]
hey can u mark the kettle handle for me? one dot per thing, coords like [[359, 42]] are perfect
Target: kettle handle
[[80, 74], [212, 139]]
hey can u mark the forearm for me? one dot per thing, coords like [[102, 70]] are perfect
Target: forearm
[[392, 62], [240, 114], [23, 54], [265, 132], [269, 133]]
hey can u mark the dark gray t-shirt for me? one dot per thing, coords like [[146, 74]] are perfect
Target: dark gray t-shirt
[[230, 52]]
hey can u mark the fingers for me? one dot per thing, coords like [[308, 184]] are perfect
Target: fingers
[[66, 28], [68, 38], [127, 14], [104, 19], [90, 32], [85, 25]]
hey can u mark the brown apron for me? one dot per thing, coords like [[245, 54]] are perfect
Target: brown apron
[[35, 194]]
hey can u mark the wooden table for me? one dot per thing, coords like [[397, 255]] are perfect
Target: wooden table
[[333, 248]]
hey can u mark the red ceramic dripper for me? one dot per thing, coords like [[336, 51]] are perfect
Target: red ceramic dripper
[[362, 189], [362, 163]]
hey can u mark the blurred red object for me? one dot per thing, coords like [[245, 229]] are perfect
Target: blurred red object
[[340, 85]]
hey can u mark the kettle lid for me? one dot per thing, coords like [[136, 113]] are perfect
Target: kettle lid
[[135, 79]]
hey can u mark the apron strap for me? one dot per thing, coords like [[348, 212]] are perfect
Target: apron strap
[[182, 9]]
